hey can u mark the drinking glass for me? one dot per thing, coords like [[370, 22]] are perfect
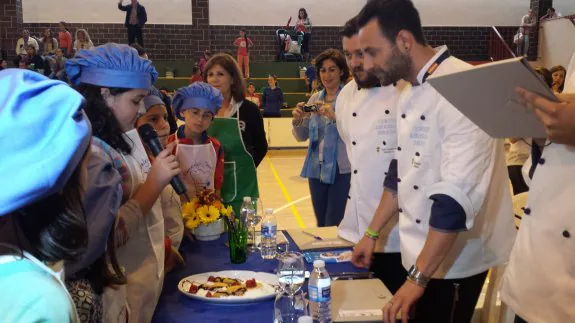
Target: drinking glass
[[289, 309], [253, 220], [238, 240], [291, 272]]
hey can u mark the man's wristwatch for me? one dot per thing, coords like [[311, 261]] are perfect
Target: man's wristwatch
[[417, 277]]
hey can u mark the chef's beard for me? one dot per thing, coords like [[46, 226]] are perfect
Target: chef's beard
[[370, 80], [399, 68]]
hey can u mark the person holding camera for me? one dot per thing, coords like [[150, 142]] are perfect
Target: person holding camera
[[326, 165]]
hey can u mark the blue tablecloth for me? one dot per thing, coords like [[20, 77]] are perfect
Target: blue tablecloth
[[214, 256]]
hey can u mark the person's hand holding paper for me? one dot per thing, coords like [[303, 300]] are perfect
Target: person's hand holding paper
[[557, 117]]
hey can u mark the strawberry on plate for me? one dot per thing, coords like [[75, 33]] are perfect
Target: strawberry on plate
[[251, 283]]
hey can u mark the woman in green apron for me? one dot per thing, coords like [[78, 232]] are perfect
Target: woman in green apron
[[239, 127]]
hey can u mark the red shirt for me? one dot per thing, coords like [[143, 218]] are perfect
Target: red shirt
[[219, 172], [196, 78], [65, 41], [243, 45]]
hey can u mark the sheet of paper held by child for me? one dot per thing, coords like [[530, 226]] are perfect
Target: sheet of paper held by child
[[198, 165]]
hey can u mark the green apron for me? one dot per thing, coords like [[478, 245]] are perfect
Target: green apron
[[240, 176]]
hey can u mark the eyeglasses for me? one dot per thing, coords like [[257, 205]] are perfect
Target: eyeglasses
[[204, 116]]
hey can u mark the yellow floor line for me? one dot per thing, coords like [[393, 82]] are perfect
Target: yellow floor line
[[286, 194]]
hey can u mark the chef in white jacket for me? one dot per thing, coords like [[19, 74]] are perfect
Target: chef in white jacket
[[539, 282], [366, 123], [449, 184]]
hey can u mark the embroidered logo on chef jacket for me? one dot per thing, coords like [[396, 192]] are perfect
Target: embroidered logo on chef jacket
[[419, 135], [242, 126]]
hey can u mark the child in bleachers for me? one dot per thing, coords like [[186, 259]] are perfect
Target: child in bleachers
[[253, 96], [314, 88], [57, 65], [244, 43], [196, 75], [204, 60], [157, 116], [310, 74], [273, 98], [201, 157]]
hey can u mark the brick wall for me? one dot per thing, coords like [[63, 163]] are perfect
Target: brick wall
[[10, 25], [187, 42]]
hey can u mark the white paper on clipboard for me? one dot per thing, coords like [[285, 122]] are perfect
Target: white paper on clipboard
[[486, 94]]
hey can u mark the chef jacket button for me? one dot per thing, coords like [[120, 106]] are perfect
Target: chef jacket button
[[541, 161], [415, 187], [353, 143], [566, 234], [355, 171], [403, 115], [349, 197], [354, 114], [418, 221], [422, 117], [386, 111], [417, 154], [400, 210], [399, 180], [385, 173], [399, 148], [527, 211], [384, 143]]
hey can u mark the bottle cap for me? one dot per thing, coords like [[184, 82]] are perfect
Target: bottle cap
[[247, 199], [269, 211], [305, 319], [319, 263]]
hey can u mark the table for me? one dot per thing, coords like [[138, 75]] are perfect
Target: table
[[214, 256]]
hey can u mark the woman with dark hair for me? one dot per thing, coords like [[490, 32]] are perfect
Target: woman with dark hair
[[65, 39], [303, 25], [123, 188], [42, 220], [326, 166], [33, 60], [239, 127], [558, 74], [272, 98], [49, 44]]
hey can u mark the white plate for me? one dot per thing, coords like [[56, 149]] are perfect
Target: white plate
[[267, 291]]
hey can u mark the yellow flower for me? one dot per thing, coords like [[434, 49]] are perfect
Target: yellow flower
[[193, 222], [230, 210], [214, 212], [188, 210], [201, 212]]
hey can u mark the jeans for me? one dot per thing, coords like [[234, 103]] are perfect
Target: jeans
[[329, 200]]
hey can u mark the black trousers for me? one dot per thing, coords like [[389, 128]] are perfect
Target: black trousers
[[389, 269], [135, 34], [449, 300], [517, 180], [519, 320]]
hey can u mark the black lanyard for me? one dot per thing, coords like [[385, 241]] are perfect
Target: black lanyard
[[435, 65]]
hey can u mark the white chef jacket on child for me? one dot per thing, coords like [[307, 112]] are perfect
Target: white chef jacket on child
[[539, 282], [366, 123], [442, 155]]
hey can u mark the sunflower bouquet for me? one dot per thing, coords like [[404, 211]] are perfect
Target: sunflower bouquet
[[205, 208]]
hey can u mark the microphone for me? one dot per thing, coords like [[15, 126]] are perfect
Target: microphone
[[150, 138]]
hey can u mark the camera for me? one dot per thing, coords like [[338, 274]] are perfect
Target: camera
[[310, 108]]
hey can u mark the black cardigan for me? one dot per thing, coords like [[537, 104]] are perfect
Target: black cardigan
[[142, 15], [252, 129]]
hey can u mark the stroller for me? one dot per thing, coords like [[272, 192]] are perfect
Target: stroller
[[289, 50]]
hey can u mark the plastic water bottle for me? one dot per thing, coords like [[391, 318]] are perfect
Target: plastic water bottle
[[269, 242], [247, 211], [319, 287]]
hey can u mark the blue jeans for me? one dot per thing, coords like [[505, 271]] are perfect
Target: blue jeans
[[329, 200]]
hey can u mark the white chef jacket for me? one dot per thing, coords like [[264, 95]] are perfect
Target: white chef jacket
[[440, 151], [366, 124], [539, 283]]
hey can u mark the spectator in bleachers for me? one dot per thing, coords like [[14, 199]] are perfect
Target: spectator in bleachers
[[244, 43], [83, 40], [551, 14], [310, 75], [57, 65], [196, 75], [22, 45], [252, 95], [49, 44], [326, 166], [303, 25], [65, 39], [136, 18], [3, 64], [204, 60], [33, 60], [239, 127], [527, 26], [558, 74], [272, 98]]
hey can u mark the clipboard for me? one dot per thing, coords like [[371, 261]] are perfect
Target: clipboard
[[487, 96], [330, 239], [359, 300]]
